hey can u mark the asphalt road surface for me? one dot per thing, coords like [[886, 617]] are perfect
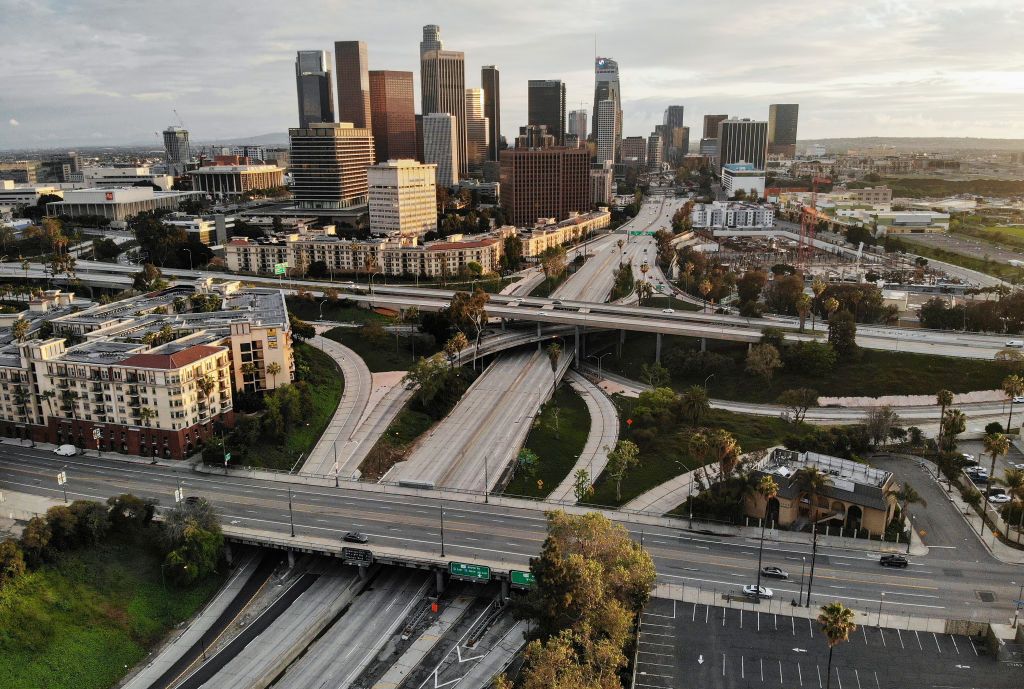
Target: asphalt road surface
[[512, 535], [693, 645]]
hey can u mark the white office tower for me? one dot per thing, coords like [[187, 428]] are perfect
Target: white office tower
[[441, 146], [403, 198], [607, 127]]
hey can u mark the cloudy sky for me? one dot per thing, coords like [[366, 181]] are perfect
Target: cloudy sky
[[94, 72]]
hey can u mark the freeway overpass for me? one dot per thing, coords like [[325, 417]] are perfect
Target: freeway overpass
[[582, 314], [405, 527]]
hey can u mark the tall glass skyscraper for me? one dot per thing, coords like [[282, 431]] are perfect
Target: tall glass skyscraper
[[313, 84], [606, 87], [443, 87], [353, 83], [546, 106], [490, 81]]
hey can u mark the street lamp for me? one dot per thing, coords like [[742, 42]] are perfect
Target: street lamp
[[189, 258], [291, 518], [814, 556], [322, 302], [706, 383], [442, 529], [880, 599], [600, 362]]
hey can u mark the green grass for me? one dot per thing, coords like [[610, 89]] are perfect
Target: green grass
[[380, 357], [875, 373], [309, 310], [557, 450], [914, 187], [549, 285], [671, 303], [998, 270], [395, 442], [662, 448], [79, 622]]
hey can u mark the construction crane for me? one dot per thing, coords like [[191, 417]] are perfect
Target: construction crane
[[180, 121], [809, 217]]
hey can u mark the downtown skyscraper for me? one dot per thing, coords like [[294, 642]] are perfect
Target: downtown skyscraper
[[782, 120], [491, 83], [313, 86], [443, 89], [393, 114], [352, 73], [546, 106], [477, 131], [607, 88]]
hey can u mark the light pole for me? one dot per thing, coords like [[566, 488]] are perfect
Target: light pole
[[322, 302], [814, 556], [335, 445], [189, 258], [487, 481], [600, 362], [803, 563], [1019, 603], [291, 519], [880, 599], [706, 383]]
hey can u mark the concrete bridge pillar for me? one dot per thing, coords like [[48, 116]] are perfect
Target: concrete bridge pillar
[[538, 336], [703, 344], [618, 347], [657, 349], [291, 559], [576, 347], [439, 581], [504, 589], [227, 552], [364, 573]]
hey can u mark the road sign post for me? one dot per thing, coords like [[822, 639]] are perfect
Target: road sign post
[[280, 268], [469, 572], [521, 579], [62, 481]]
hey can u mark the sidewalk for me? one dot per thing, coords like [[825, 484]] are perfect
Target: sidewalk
[[604, 432]]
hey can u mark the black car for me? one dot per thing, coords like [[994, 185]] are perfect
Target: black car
[[893, 561], [774, 572], [356, 537]]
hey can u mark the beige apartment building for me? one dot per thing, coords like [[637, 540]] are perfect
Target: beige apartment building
[[403, 198], [121, 390]]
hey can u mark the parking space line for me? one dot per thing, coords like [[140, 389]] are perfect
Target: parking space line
[[901, 637], [864, 631], [776, 621], [762, 670], [743, 671], [818, 668], [655, 643], [652, 624], [647, 662], [707, 613], [660, 655], [810, 627], [839, 678], [723, 617], [780, 674], [937, 642], [694, 617], [918, 640], [882, 634], [651, 686], [651, 674], [723, 665], [667, 636], [792, 621], [800, 674], [857, 675], [953, 639], [879, 686], [741, 618], [758, 620], [973, 647]]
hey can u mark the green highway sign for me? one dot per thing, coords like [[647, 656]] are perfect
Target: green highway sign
[[637, 233], [280, 268], [357, 556], [521, 579], [464, 570], [227, 457]]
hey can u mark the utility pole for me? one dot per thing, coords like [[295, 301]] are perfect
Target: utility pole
[[442, 529], [814, 555]]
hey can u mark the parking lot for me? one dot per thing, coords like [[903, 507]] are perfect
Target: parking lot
[[688, 645]]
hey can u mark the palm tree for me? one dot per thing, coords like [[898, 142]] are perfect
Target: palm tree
[[836, 624], [693, 404], [943, 398], [273, 368], [146, 415], [205, 385], [996, 445], [1013, 481], [818, 286], [803, 307], [705, 289], [67, 401], [831, 306], [906, 495], [1013, 386], [718, 446], [953, 423], [619, 244], [554, 352], [768, 490], [20, 329]]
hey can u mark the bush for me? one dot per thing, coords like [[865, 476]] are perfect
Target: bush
[[692, 363], [993, 428], [814, 358], [12, 561]]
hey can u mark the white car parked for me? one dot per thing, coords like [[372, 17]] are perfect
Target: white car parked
[[65, 450], [999, 499], [752, 591]]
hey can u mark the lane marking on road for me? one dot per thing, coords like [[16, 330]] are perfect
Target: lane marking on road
[[918, 636], [901, 637], [953, 639], [934, 636], [857, 675]]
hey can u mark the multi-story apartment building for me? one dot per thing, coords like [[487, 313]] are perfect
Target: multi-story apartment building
[[722, 216], [116, 391], [403, 198], [407, 256]]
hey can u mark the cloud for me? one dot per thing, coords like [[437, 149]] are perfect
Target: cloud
[[13, 122], [879, 67]]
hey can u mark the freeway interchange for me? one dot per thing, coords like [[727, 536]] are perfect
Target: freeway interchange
[[508, 532]]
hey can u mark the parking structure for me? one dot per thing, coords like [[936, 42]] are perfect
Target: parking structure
[[690, 645]]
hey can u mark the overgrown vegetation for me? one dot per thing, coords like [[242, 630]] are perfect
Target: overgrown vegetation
[[92, 600], [274, 429], [554, 444]]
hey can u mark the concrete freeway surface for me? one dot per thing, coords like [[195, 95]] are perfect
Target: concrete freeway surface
[[508, 532]]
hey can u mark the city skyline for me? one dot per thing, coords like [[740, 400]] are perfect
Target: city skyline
[[897, 79]]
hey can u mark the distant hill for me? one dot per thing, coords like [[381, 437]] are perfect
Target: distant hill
[[272, 139], [900, 144]]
